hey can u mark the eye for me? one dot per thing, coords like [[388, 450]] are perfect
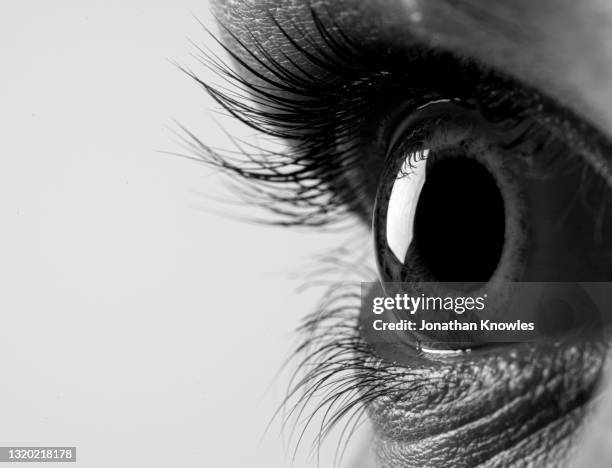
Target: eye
[[465, 199], [485, 199], [465, 176], [448, 208], [485, 206]]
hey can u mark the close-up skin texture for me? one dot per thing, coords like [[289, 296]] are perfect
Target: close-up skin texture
[[538, 68]]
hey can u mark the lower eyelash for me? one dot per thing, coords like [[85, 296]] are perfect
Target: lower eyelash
[[337, 373], [333, 371]]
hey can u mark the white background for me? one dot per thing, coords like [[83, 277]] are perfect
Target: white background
[[134, 324]]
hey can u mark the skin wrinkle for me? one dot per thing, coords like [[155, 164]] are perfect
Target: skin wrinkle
[[534, 451], [559, 46], [429, 422]]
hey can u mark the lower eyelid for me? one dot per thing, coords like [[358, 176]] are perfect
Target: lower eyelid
[[475, 398]]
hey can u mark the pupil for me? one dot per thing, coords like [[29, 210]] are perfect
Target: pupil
[[460, 221]]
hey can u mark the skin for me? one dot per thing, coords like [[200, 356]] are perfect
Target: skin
[[560, 47]]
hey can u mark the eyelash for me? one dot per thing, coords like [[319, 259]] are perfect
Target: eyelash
[[336, 371], [304, 185], [294, 183]]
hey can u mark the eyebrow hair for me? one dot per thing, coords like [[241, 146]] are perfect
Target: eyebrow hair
[[559, 46]]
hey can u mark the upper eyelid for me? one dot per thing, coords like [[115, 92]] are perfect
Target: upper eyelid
[[551, 118], [323, 147], [554, 46]]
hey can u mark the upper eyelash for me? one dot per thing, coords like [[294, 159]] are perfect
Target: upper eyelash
[[299, 184], [319, 118]]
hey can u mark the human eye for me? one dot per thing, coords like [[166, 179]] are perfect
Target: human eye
[[464, 173]]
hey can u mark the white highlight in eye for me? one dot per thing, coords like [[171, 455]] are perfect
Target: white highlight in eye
[[403, 203]]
